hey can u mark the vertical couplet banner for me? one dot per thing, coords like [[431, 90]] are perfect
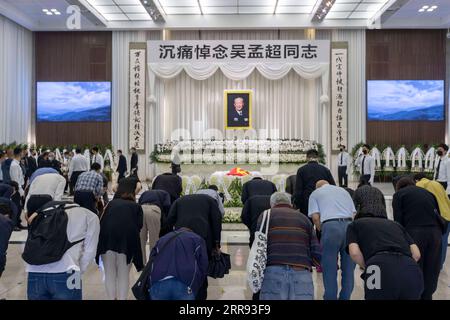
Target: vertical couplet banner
[[137, 96], [339, 101]]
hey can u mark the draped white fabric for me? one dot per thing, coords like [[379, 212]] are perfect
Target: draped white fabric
[[16, 60]]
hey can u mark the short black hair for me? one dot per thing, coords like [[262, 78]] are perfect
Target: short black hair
[[95, 166], [119, 151], [367, 146], [5, 209], [77, 150], [342, 146], [419, 176], [312, 153], [213, 187], [17, 151], [363, 182], [133, 148], [404, 182], [443, 146], [95, 149]]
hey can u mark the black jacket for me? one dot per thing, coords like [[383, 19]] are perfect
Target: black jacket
[[122, 166], [31, 165], [415, 207], [200, 213], [257, 187], [120, 227], [134, 161], [305, 183], [6, 228], [253, 208], [171, 183], [290, 184]]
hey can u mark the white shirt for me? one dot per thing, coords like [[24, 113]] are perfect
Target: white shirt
[[331, 202], [215, 195], [16, 173], [343, 159], [52, 184], [444, 171], [78, 163], [369, 166], [82, 224], [98, 158]]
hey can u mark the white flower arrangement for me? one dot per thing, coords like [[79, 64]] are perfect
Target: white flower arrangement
[[235, 151]]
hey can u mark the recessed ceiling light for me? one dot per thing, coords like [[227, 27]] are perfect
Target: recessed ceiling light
[[434, 7], [57, 13], [425, 7], [53, 10], [421, 10], [429, 10], [45, 10], [49, 13]]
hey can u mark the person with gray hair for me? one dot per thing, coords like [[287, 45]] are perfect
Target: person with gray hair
[[287, 275]]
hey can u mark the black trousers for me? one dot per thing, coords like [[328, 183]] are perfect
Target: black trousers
[[17, 199], [74, 179], [342, 176], [429, 240], [400, 278], [121, 176], [202, 293]]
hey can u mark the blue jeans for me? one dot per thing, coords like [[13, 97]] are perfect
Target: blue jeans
[[170, 289], [334, 234], [284, 283], [53, 286], [444, 245]]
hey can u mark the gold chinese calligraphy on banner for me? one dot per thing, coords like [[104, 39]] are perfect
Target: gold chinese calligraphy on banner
[[137, 96], [339, 99]]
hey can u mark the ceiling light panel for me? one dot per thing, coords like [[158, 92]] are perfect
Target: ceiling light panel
[[220, 10], [219, 3], [256, 10], [182, 10], [133, 9], [178, 3], [121, 10], [295, 9]]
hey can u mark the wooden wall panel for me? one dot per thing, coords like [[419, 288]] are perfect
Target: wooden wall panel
[[405, 55], [73, 56]]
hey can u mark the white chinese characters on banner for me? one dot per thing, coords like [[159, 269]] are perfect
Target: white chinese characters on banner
[[339, 97], [137, 99], [239, 51]]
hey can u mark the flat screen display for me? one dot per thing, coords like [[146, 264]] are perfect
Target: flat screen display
[[73, 101], [402, 100]]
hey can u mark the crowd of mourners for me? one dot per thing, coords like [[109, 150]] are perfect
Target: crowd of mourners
[[313, 225]]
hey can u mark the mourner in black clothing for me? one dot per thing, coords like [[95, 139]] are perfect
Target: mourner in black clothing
[[257, 187], [381, 245], [128, 185], [134, 163], [169, 182], [417, 211], [122, 166], [290, 184], [200, 213], [6, 228], [253, 208], [307, 176]]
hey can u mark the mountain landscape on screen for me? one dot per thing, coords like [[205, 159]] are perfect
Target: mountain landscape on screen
[[403, 100], [73, 101]]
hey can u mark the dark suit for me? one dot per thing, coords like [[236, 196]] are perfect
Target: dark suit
[[134, 164], [171, 183], [305, 184], [253, 208], [31, 166], [236, 120], [122, 167], [257, 187], [290, 184]]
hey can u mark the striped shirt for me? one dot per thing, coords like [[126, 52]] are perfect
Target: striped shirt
[[292, 240], [91, 181]]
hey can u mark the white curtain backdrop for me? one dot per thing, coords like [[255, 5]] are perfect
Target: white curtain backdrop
[[16, 83], [291, 104]]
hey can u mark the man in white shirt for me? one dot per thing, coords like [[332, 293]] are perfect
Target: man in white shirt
[[61, 280], [331, 209], [343, 166], [366, 165], [77, 166], [97, 158], [16, 172], [52, 184], [442, 171]]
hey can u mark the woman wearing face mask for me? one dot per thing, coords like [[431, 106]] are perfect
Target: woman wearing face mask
[[366, 165], [442, 171]]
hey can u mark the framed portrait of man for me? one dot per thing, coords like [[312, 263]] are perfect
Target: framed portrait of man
[[238, 109]]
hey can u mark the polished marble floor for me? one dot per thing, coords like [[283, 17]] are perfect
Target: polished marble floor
[[231, 287]]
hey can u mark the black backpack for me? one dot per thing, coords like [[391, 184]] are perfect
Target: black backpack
[[5, 170], [47, 235]]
